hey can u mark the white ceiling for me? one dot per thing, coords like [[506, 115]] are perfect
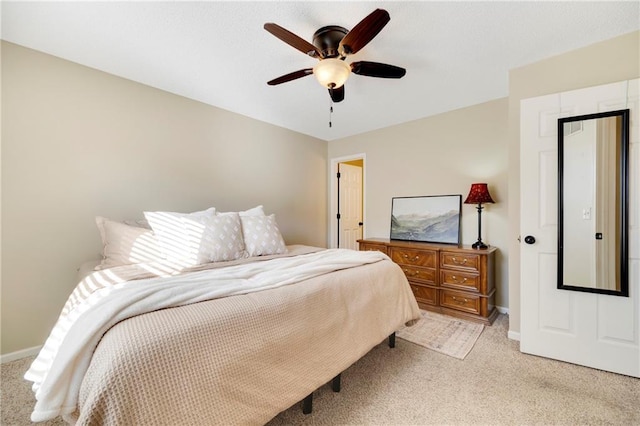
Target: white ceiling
[[456, 53]]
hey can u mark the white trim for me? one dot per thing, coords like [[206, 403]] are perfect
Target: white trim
[[333, 192], [514, 335], [24, 353]]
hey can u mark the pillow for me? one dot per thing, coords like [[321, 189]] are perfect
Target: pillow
[[144, 223], [262, 235], [126, 245], [256, 211], [195, 238], [225, 236], [140, 223]]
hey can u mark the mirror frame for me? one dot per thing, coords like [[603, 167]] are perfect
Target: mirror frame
[[623, 216]]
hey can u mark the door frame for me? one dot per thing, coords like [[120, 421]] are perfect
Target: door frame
[[333, 196]]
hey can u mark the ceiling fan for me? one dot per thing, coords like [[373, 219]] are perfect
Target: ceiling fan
[[331, 45]]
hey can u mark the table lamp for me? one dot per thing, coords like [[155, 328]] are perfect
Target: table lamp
[[479, 194]]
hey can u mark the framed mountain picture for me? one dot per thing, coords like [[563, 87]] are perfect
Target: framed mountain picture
[[432, 219]]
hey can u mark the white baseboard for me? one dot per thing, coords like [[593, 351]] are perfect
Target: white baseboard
[[12, 356], [514, 335]]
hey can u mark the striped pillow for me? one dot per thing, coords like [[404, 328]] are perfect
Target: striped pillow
[[192, 239]]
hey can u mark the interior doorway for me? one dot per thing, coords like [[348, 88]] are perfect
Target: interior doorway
[[347, 213]]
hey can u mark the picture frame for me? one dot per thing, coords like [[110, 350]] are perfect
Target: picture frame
[[431, 218]]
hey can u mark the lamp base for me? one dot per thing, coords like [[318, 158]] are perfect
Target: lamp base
[[479, 245]]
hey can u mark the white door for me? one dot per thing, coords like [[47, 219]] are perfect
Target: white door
[[349, 206], [595, 330]]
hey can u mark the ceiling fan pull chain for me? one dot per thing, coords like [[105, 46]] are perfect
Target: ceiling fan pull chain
[[330, 108]]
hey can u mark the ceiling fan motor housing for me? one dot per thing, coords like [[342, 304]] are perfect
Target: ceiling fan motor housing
[[327, 39]]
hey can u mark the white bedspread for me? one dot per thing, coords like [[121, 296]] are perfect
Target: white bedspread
[[58, 371]]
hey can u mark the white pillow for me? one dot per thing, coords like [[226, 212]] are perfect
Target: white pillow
[[195, 238], [126, 245], [262, 235], [256, 211]]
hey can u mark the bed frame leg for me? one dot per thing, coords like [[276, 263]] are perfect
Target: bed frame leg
[[307, 404], [392, 340], [335, 383]]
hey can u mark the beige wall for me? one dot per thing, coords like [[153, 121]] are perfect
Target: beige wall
[[439, 155], [606, 62], [77, 143]]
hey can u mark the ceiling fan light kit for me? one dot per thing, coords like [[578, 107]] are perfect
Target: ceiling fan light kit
[[331, 72], [331, 45]]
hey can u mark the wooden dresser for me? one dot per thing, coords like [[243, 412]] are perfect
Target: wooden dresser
[[449, 279]]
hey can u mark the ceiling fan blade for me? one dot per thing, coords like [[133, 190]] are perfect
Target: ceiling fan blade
[[376, 69], [291, 76], [364, 32], [293, 40], [337, 94]]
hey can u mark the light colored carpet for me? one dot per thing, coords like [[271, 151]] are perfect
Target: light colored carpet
[[441, 333], [408, 385]]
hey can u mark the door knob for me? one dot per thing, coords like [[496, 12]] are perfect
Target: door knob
[[529, 239], [360, 223]]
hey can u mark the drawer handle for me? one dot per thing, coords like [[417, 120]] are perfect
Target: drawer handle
[[460, 302], [464, 279], [456, 261], [413, 259], [411, 273]]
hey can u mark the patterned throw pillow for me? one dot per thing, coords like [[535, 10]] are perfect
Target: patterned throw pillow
[[196, 238], [262, 235], [224, 234]]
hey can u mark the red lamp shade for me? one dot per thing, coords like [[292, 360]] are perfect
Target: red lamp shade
[[478, 194]]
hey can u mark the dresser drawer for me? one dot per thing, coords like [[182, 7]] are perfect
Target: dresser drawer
[[373, 247], [457, 279], [416, 273], [461, 261], [460, 301], [412, 257], [424, 294]]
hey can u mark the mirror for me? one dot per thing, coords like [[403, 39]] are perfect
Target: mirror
[[593, 203]]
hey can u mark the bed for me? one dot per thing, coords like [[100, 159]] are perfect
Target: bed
[[226, 342]]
